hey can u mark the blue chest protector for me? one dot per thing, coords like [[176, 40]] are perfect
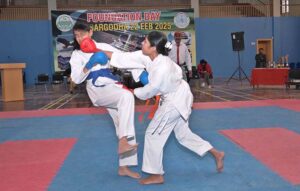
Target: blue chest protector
[[106, 72]]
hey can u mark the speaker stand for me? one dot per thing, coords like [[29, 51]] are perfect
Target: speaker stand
[[240, 71]]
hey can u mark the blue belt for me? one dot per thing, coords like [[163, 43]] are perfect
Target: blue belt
[[106, 72]]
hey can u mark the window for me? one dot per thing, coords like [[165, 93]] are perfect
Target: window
[[285, 6]]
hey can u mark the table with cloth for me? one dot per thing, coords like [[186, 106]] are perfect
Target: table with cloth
[[269, 76]]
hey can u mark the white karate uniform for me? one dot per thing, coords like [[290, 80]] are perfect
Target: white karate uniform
[[165, 79], [118, 101]]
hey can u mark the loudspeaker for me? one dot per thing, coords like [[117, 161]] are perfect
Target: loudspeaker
[[237, 41]]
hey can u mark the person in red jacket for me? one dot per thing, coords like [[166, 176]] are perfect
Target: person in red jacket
[[205, 72]]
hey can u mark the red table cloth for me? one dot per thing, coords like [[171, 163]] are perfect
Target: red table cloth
[[269, 76]]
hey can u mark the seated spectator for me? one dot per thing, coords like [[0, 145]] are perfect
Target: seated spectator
[[205, 73]]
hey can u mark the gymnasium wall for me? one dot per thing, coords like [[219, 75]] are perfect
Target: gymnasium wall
[[213, 41], [287, 37], [30, 42], [27, 42]]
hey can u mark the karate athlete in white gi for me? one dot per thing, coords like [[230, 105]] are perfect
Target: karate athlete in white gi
[[103, 91], [164, 79]]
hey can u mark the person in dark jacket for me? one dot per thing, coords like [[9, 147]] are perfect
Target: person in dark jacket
[[260, 58]]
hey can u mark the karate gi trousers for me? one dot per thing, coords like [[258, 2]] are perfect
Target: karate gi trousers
[[120, 104], [167, 119]]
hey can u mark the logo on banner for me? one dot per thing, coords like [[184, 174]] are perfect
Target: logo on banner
[[64, 23], [181, 20]]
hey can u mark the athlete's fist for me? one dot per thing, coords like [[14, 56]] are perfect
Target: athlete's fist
[[97, 58]]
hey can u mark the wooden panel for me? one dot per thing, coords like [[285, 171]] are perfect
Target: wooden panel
[[12, 82]]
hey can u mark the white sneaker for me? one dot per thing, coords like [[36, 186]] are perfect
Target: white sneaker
[[209, 86], [202, 84]]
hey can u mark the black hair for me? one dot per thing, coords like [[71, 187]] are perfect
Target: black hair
[[159, 40], [203, 61], [79, 26]]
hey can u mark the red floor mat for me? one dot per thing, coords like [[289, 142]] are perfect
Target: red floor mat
[[62, 112], [31, 165], [292, 104], [277, 148], [52, 112], [230, 104]]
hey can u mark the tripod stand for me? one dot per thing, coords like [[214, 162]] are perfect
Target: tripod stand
[[240, 70]]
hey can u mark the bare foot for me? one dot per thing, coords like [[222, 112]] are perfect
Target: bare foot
[[125, 147], [153, 179], [219, 157], [220, 161], [125, 171]]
